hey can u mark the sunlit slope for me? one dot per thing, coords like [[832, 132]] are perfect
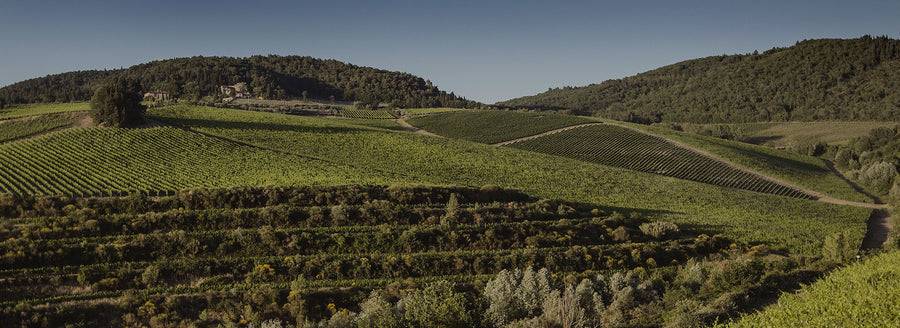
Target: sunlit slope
[[32, 110], [621, 147], [493, 126], [801, 170], [101, 161], [861, 295], [784, 222]]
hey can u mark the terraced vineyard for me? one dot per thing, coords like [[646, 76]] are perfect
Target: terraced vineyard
[[194, 245], [367, 114], [620, 147], [493, 126]]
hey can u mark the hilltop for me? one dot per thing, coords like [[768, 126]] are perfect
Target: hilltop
[[827, 79], [269, 77]]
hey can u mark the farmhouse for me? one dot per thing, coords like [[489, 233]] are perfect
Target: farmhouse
[[157, 95], [240, 90]]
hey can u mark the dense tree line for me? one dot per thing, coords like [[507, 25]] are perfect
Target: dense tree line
[[270, 77], [827, 79], [872, 161]]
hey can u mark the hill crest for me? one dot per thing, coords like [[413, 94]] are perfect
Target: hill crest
[[824, 79]]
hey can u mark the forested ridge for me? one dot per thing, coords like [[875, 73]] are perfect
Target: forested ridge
[[270, 77], [826, 79]]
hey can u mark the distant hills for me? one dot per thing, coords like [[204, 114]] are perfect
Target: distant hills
[[828, 79], [270, 77]]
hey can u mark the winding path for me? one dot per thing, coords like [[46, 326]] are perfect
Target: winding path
[[403, 123]]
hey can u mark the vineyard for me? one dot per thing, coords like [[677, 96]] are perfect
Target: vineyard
[[68, 256], [805, 171], [102, 162], [408, 157], [367, 114], [19, 128], [426, 111], [620, 147], [32, 110], [493, 126]]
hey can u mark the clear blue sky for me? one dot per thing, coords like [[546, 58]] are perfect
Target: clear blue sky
[[482, 50]]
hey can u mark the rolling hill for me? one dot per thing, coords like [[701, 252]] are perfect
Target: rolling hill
[[210, 215], [269, 77], [828, 79]]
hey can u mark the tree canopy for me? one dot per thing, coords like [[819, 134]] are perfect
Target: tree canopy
[[269, 77], [829, 79], [117, 103]]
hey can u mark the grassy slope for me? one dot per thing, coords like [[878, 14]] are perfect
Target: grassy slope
[[620, 147], [32, 110], [159, 159], [805, 171], [23, 127], [783, 134], [860, 295], [743, 215], [493, 126], [423, 111]]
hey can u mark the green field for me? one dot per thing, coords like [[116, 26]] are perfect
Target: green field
[[19, 128], [747, 216], [787, 134], [99, 161], [425, 111], [804, 171], [620, 147], [493, 126], [861, 295], [32, 110], [367, 114]]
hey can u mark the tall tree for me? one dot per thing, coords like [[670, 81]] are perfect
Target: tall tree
[[117, 103]]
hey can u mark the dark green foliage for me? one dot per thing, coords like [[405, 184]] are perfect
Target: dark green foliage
[[117, 104], [270, 77], [813, 80], [872, 161]]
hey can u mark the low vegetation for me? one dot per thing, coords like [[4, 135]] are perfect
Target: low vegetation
[[801, 170], [861, 295], [248, 255], [367, 114], [493, 126], [745, 216], [620, 147], [787, 135], [426, 111], [19, 128], [42, 109], [98, 161]]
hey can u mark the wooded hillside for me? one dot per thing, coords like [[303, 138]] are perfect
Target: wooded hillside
[[270, 77], [829, 79]]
